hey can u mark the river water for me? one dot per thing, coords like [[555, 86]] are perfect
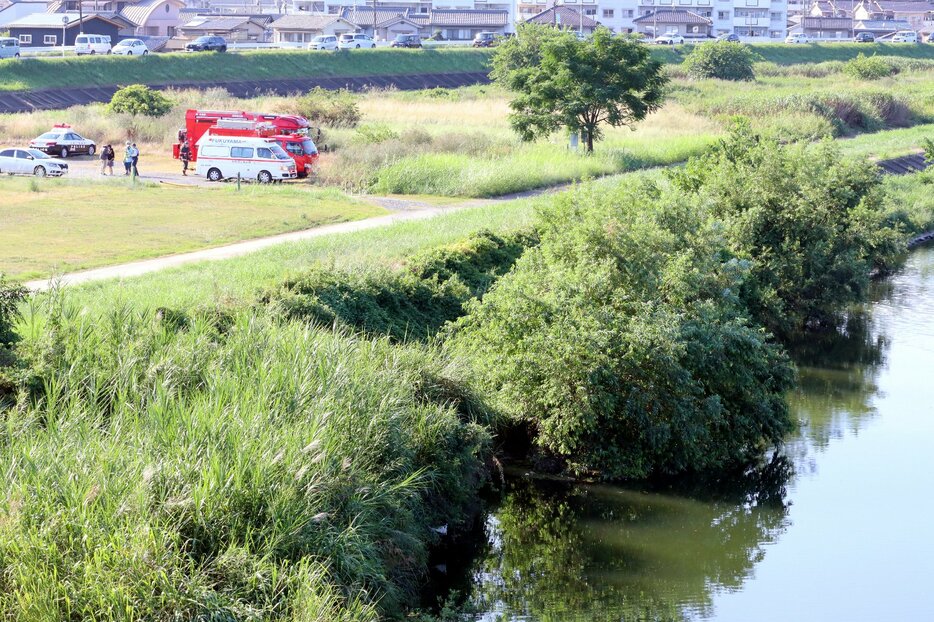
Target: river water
[[837, 526]]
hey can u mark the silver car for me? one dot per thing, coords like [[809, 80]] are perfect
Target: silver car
[[30, 162]]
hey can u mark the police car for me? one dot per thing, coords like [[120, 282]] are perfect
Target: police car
[[61, 140]]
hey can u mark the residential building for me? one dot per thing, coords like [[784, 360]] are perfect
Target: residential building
[[48, 29], [579, 19], [302, 28], [18, 9], [234, 28], [688, 24], [919, 15], [154, 18]]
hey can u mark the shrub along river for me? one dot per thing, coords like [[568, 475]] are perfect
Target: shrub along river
[[837, 525]]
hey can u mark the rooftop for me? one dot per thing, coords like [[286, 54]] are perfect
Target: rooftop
[[563, 15], [673, 17]]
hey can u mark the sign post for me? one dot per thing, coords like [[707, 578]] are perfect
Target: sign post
[[64, 23]]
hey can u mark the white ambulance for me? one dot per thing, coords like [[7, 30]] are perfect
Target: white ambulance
[[250, 157]]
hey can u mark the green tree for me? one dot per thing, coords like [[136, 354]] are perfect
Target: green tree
[[140, 99], [620, 341], [561, 81], [724, 60], [812, 223]]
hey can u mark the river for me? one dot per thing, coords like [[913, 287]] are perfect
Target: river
[[837, 525]]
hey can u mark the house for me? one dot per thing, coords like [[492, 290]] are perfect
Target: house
[[18, 9], [566, 17], [464, 24], [919, 14], [825, 27], [46, 29], [688, 24], [232, 27], [453, 24], [302, 28], [154, 18]]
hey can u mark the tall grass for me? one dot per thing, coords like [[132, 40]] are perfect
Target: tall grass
[[184, 465]]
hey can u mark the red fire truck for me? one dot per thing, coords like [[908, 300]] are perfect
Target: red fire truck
[[290, 131]]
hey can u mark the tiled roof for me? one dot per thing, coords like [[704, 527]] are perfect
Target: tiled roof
[[363, 16], [54, 20], [918, 6], [478, 18], [827, 23], [673, 17], [217, 23], [138, 13], [879, 25], [565, 16], [305, 22]]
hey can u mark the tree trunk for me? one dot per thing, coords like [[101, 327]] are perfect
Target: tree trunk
[[589, 141]]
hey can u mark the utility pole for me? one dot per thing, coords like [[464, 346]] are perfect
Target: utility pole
[[374, 22], [81, 17]]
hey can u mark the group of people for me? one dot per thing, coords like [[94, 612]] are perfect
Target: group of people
[[130, 159]]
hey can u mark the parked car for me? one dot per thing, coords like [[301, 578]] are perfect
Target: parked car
[[323, 42], [130, 47], [905, 36], [9, 47], [30, 162], [670, 39], [92, 44], [931, 38], [407, 41], [864, 37], [61, 140], [486, 39], [799, 37], [731, 37], [356, 40], [207, 44]]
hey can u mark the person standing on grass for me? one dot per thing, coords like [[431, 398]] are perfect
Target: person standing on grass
[[105, 157], [128, 158], [135, 160], [184, 155], [111, 156]]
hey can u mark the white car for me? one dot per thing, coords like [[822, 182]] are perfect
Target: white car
[[323, 42], [92, 44], [30, 162], [130, 47], [905, 36], [250, 157], [62, 141], [797, 38], [669, 40], [354, 41]]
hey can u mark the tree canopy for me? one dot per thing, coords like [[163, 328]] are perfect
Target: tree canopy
[[563, 81]]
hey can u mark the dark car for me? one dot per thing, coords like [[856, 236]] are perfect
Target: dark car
[[485, 39], [864, 37], [407, 41], [207, 44], [731, 37]]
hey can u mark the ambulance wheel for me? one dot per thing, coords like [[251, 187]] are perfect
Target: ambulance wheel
[[215, 175], [264, 177]]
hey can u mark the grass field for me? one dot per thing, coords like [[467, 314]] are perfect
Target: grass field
[[40, 73], [53, 226]]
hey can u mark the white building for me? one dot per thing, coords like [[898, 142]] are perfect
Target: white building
[[18, 9]]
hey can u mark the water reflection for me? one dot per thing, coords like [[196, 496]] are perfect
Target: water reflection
[[556, 551]]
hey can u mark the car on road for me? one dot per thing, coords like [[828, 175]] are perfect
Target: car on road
[[407, 41], [323, 42], [62, 141], [798, 37], [231, 157], [9, 47], [671, 39], [731, 37], [92, 44], [905, 36], [864, 37], [352, 41], [130, 47], [207, 44], [30, 162], [486, 39]]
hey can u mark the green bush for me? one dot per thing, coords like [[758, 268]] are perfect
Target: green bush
[[724, 60], [409, 304], [869, 68], [812, 223], [620, 341], [338, 108], [138, 99], [11, 295]]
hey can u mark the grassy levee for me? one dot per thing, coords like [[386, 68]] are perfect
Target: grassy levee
[[788, 54], [40, 73]]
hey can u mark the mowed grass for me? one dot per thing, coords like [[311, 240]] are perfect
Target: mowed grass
[[41, 73], [889, 144], [54, 226]]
